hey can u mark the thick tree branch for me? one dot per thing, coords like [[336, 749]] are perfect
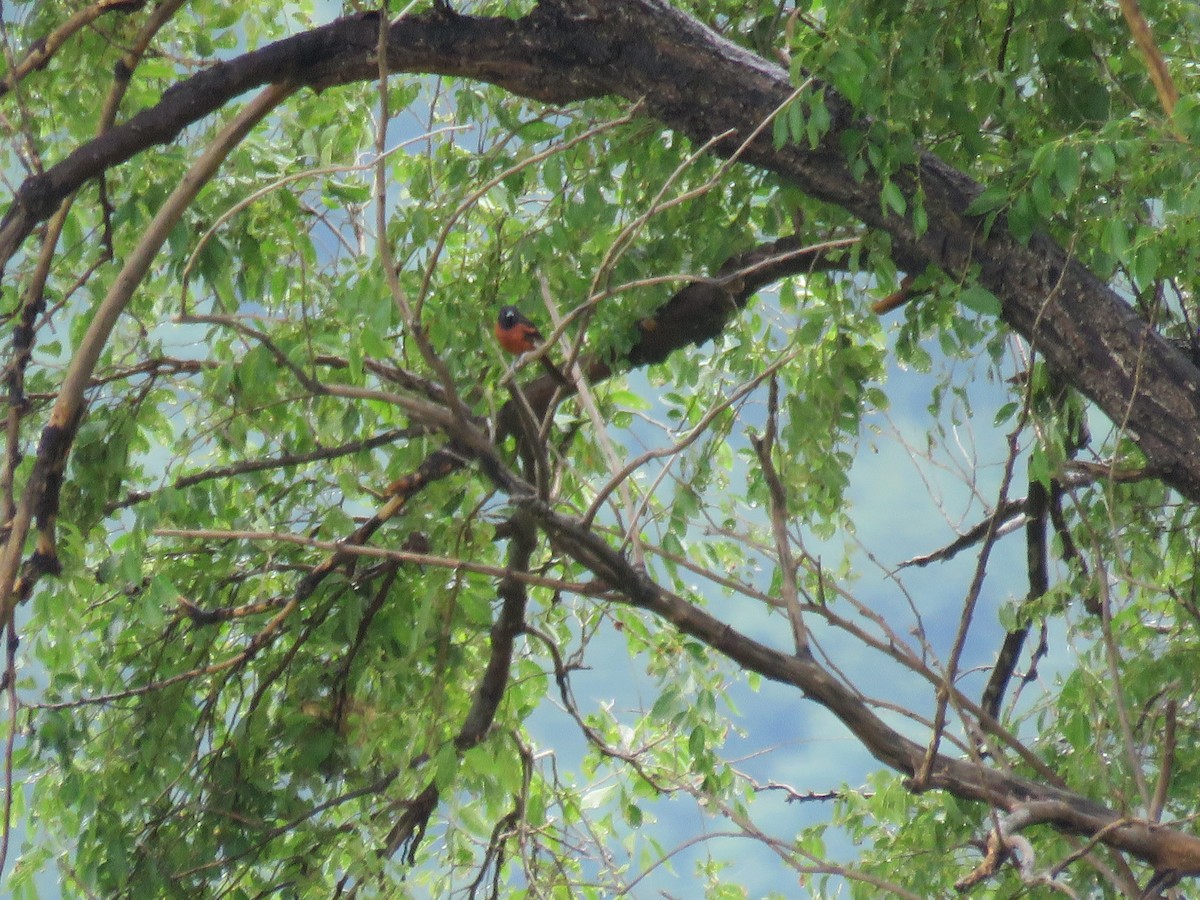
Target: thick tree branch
[[702, 85], [510, 622], [751, 270], [1162, 847]]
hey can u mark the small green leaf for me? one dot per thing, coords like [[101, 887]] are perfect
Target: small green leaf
[[1102, 161], [980, 300], [597, 797], [373, 345], [1022, 218], [1067, 169], [779, 132], [1145, 265], [538, 131], [354, 356], [445, 767], [893, 199], [1039, 466], [1006, 412], [158, 596], [993, 197], [818, 121], [920, 219], [795, 117], [1116, 238]]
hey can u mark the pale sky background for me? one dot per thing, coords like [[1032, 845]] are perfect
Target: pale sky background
[[809, 750]]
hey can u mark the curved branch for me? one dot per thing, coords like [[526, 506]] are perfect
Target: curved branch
[[695, 81], [1069, 812], [40, 497], [43, 49], [408, 832]]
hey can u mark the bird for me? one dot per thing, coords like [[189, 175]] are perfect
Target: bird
[[517, 334]]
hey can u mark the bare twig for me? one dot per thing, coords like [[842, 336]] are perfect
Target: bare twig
[[778, 509], [41, 492], [284, 461], [1156, 66], [945, 694], [998, 523], [1112, 658]]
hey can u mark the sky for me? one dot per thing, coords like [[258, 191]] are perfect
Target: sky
[[787, 738], [792, 740]]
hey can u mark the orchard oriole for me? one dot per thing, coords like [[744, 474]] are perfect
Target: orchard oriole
[[518, 335]]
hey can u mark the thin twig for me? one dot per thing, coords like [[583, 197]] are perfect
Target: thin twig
[[778, 510], [10, 683], [1166, 768]]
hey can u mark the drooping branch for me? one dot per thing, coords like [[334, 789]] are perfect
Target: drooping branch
[[510, 621], [40, 498], [697, 82], [1069, 812], [737, 279]]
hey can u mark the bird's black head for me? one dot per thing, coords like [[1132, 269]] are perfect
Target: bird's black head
[[509, 316]]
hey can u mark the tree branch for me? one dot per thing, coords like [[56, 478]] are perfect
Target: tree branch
[[1067, 811], [1036, 504], [43, 49], [41, 496], [697, 82]]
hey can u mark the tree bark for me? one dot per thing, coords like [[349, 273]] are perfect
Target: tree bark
[[700, 84], [697, 82], [1165, 848]]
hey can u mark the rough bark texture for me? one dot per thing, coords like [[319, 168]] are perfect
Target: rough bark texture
[[1164, 848], [700, 84]]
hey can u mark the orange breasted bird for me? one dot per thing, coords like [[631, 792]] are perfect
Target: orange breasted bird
[[518, 335]]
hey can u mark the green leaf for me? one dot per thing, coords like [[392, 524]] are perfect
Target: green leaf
[[893, 199], [795, 119], [538, 131], [1068, 168], [993, 197], [1006, 412], [446, 764], [919, 219], [780, 130], [159, 596], [818, 120], [1146, 263], [1022, 217], [981, 300], [1102, 161]]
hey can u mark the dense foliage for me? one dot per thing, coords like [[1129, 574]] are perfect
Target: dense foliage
[[214, 696]]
